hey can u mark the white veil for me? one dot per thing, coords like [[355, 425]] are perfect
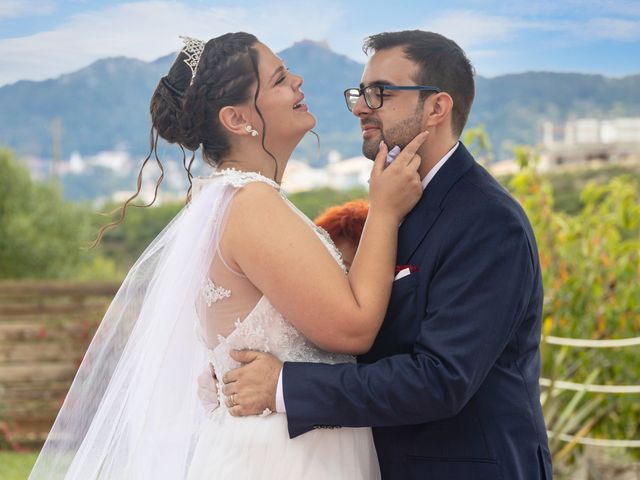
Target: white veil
[[133, 411]]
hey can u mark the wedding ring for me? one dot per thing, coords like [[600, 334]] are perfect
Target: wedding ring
[[232, 400]]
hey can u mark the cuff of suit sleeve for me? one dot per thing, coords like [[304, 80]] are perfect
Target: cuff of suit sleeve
[[280, 406]]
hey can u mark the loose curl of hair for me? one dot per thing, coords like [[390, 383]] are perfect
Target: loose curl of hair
[[186, 112]]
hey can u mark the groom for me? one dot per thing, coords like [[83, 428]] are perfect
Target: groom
[[450, 385]]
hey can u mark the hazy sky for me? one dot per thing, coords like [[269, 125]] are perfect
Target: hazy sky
[[42, 39]]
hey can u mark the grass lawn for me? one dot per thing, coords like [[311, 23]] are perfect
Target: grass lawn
[[16, 466]]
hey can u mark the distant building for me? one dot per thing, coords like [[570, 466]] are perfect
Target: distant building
[[337, 174], [146, 195], [116, 160], [503, 167], [300, 177], [76, 164], [349, 173], [589, 140]]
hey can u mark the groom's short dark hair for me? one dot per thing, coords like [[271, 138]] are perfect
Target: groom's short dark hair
[[442, 64]]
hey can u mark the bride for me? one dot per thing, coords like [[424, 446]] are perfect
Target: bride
[[227, 271]]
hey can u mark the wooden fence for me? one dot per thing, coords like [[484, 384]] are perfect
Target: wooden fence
[[45, 328]]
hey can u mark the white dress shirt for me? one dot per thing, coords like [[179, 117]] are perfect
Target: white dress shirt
[[280, 406]]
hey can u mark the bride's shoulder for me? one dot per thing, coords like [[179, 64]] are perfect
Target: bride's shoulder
[[253, 194], [257, 199]]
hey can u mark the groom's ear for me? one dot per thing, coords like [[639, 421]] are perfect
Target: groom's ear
[[438, 109]]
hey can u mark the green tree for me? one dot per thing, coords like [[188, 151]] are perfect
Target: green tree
[[478, 143], [590, 267], [314, 202], [127, 241], [41, 235]]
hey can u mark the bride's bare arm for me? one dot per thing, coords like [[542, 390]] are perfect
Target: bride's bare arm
[[284, 258]]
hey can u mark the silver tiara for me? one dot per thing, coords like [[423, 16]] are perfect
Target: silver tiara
[[193, 49]]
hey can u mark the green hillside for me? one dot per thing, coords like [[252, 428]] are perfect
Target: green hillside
[[105, 105]]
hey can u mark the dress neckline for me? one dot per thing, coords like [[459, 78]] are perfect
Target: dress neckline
[[241, 177]]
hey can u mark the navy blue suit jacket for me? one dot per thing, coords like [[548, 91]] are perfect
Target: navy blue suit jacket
[[450, 385]]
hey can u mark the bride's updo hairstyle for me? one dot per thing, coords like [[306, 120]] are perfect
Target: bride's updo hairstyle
[[185, 111]]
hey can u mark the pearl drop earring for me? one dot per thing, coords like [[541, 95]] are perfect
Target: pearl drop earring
[[249, 129]]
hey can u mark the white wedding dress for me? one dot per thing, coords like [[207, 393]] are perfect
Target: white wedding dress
[[133, 411], [258, 447]]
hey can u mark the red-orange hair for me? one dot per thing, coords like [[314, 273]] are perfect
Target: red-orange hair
[[345, 221]]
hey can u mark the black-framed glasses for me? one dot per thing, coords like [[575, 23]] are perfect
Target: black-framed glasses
[[374, 94]]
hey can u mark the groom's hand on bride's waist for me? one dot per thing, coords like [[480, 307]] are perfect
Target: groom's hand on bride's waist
[[251, 388]]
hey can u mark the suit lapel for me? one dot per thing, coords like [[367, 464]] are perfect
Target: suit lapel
[[420, 220]]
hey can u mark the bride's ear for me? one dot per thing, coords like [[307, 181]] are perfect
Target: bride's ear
[[233, 119]]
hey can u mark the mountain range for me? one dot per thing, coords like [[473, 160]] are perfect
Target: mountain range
[[105, 105]]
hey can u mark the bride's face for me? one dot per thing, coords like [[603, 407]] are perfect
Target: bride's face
[[280, 99]]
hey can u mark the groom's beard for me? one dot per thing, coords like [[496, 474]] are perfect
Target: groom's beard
[[400, 134]]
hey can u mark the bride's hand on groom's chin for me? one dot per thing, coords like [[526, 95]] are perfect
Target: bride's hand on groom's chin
[[251, 388]]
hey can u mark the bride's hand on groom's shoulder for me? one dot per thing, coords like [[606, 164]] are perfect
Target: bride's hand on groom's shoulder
[[395, 189], [251, 388]]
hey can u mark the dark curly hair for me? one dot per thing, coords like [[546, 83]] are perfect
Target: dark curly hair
[[227, 69], [185, 111]]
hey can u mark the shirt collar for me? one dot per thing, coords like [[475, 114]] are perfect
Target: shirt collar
[[432, 173]]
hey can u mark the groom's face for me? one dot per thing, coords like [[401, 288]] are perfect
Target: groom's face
[[401, 116]]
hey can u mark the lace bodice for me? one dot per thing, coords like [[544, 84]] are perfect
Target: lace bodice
[[264, 328]]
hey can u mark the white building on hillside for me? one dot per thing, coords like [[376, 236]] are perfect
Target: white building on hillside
[[589, 140], [300, 177], [338, 174], [349, 173]]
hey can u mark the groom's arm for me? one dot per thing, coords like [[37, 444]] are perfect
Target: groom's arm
[[476, 300]]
